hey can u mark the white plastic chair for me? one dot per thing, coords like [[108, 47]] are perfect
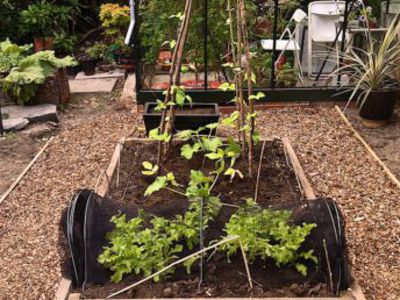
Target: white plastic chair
[[394, 8], [323, 17], [290, 44]]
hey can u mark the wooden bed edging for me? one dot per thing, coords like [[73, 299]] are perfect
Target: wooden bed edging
[[26, 170], [354, 292], [388, 172]]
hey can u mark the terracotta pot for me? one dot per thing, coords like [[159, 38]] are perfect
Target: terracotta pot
[[49, 43], [127, 63], [106, 67], [372, 24], [378, 108], [127, 67], [39, 44], [281, 62], [164, 59]]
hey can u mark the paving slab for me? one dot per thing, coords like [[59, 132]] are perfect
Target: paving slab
[[101, 85], [35, 113], [129, 87], [112, 74], [15, 124]]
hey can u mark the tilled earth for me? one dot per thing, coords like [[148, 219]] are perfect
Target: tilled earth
[[337, 165]]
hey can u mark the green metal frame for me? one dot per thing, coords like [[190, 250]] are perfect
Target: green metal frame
[[312, 94]]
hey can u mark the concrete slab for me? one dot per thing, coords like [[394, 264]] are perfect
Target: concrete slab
[[35, 113], [112, 74], [15, 124], [104, 85], [129, 87]]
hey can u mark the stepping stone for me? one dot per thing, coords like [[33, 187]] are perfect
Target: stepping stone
[[15, 124], [129, 87], [112, 74], [35, 113], [103, 85]]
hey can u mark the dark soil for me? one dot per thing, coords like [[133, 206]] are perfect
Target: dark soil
[[278, 189]]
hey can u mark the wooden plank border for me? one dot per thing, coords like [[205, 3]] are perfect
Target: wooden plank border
[[26, 170], [64, 287], [354, 292], [104, 186], [388, 172], [298, 169]]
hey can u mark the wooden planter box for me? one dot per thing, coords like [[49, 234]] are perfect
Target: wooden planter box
[[196, 115], [353, 293], [54, 91]]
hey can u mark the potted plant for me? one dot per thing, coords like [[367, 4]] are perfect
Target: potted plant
[[372, 71], [367, 18], [124, 55], [41, 20], [114, 19], [106, 55], [64, 45], [286, 75], [89, 59]]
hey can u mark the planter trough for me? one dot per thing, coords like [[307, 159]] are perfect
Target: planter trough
[[189, 117]]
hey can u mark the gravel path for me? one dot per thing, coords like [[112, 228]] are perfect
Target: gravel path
[[29, 218], [338, 166]]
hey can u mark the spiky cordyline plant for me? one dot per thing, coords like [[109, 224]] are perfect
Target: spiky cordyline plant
[[373, 69]]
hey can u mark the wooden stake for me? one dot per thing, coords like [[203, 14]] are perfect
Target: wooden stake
[[246, 265], [174, 75], [259, 171], [243, 24], [234, 59], [239, 86], [329, 265]]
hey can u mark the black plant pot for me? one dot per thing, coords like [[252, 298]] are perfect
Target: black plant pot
[[72, 71], [189, 117], [378, 108], [89, 66]]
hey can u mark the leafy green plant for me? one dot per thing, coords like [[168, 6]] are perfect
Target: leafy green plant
[[43, 19], [64, 43], [266, 233], [11, 54], [135, 249], [287, 75], [114, 19], [22, 80], [97, 51]]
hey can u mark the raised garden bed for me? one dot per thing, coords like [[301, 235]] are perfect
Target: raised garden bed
[[282, 185]]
